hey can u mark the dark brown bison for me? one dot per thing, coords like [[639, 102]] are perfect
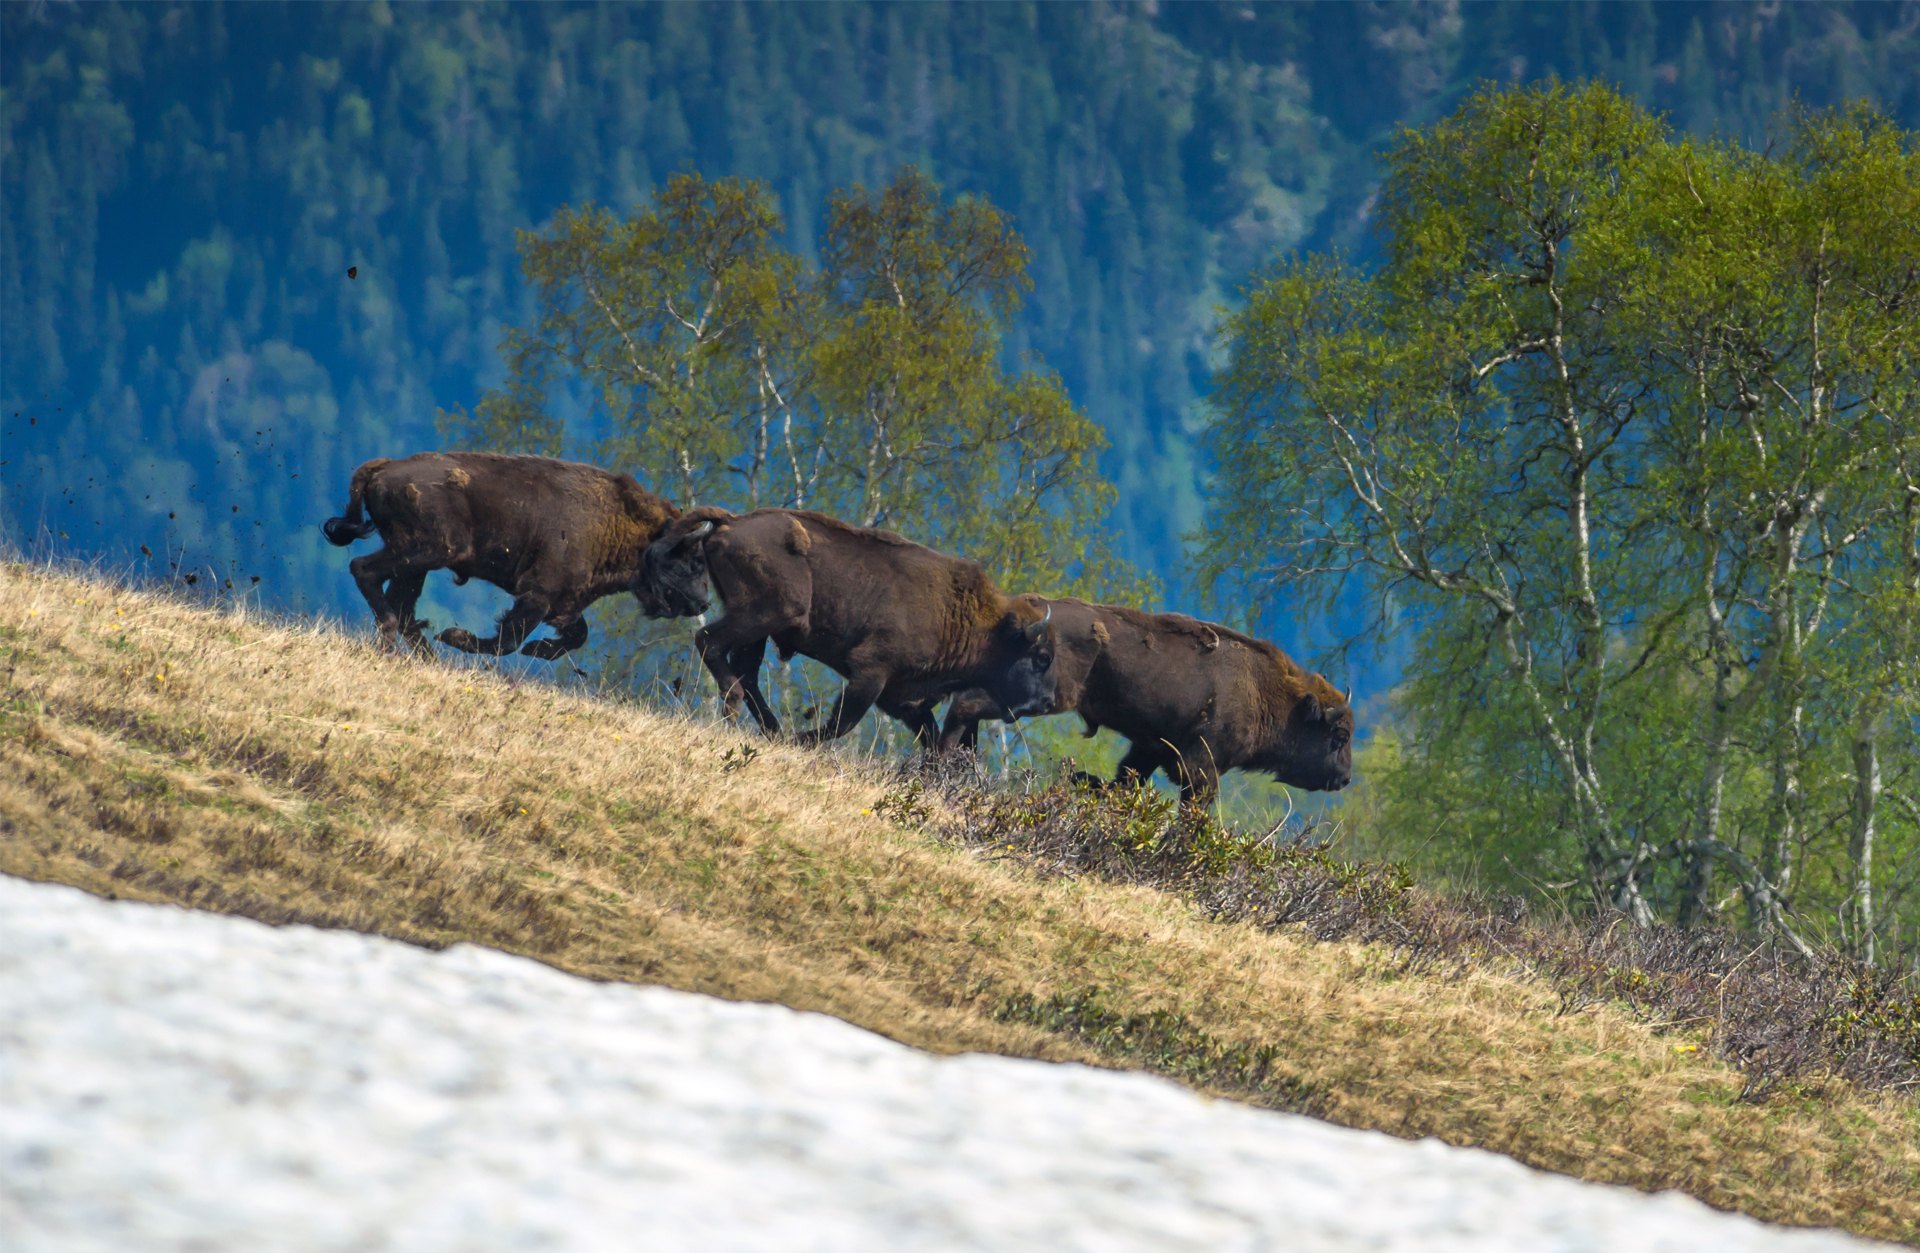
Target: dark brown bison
[[1194, 699], [903, 624], [554, 535]]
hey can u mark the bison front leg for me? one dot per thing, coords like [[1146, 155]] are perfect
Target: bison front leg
[[964, 715], [1138, 765], [726, 656], [856, 698], [919, 718], [518, 622], [1199, 778], [570, 636], [745, 661]]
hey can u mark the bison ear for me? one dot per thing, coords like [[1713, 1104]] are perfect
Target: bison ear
[[1311, 709]]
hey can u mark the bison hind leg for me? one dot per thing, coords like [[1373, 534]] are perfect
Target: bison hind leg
[[390, 585], [403, 590]]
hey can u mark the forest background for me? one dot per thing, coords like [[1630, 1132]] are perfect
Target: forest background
[[184, 364]]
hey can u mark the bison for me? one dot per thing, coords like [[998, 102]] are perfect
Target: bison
[[554, 535], [1193, 698], [903, 624]]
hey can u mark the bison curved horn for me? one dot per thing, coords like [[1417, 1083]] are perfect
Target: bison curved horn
[[1035, 631], [1348, 697], [700, 532]]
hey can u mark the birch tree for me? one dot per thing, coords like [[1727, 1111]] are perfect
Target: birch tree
[[1780, 288], [1620, 433], [719, 367], [1453, 432], [684, 343], [929, 429], [679, 328]]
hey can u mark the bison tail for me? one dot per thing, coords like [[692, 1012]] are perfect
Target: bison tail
[[343, 531], [353, 525]]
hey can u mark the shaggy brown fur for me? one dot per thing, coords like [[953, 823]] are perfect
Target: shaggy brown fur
[[904, 624], [1195, 699], [555, 535]]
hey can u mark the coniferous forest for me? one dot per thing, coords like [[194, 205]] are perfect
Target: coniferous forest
[[245, 247]]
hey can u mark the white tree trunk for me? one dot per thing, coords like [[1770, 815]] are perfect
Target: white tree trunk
[[1856, 917]]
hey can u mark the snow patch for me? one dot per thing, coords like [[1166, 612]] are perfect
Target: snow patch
[[180, 1080]]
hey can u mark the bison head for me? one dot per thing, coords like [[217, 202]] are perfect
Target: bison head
[[672, 582], [1026, 683], [1319, 738]]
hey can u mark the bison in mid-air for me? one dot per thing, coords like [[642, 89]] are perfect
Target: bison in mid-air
[[554, 535], [903, 624], [1193, 698]]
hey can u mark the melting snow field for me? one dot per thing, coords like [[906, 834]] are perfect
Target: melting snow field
[[181, 1080]]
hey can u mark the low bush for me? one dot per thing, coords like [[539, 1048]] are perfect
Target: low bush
[[1782, 1019]]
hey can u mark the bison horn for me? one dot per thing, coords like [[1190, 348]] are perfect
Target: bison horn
[[1039, 628], [1348, 697], [700, 532]]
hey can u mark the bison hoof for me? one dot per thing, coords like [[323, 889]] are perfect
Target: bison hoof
[[460, 638], [544, 650]]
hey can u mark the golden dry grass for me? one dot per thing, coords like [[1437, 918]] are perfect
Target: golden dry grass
[[153, 750]]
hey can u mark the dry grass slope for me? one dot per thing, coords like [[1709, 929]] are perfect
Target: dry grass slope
[[153, 750]]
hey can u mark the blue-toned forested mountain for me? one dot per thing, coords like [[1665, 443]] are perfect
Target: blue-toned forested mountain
[[185, 363]]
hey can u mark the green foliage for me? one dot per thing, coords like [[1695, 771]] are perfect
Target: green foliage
[[1620, 434], [182, 188], [724, 368], [672, 320]]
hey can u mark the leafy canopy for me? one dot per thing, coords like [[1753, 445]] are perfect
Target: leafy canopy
[[1619, 437], [718, 367]]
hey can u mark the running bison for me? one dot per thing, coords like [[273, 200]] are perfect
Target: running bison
[[903, 624], [1194, 699], [554, 535]]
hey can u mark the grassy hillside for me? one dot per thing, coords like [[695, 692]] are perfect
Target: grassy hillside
[[156, 750]]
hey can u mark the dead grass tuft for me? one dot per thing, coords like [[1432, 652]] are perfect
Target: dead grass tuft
[[154, 749]]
